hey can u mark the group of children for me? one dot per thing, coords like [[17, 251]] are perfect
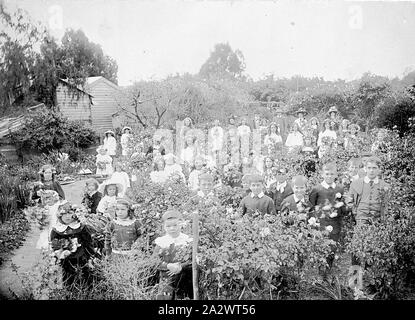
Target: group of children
[[358, 193]]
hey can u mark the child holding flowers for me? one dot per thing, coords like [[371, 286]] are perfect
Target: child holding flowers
[[174, 250], [123, 230], [92, 196], [72, 246], [327, 201], [297, 202], [47, 181]]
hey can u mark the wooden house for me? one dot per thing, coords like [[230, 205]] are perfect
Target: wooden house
[[105, 94], [95, 103], [75, 104]]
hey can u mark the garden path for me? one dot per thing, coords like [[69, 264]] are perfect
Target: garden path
[[27, 256]]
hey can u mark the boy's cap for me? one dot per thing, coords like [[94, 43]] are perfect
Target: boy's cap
[[171, 214], [255, 178], [299, 181]]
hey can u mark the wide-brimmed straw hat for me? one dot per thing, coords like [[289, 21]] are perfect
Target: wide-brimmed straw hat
[[108, 182], [109, 131], [302, 110]]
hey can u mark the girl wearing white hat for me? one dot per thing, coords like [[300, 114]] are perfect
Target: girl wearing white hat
[[110, 143]]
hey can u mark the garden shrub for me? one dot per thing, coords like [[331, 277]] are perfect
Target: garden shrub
[[387, 248], [48, 130]]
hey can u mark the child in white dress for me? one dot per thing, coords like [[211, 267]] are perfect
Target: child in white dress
[[110, 143], [122, 177], [51, 200], [125, 140], [294, 138], [103, 162], [110, 190]]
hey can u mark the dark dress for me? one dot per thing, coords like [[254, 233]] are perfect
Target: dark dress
[[74, 267], [53, 185], [91, 202]]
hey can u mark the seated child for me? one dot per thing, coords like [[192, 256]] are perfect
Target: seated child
[[92, 196], [103, 162], [281, 189], [328, 196], [257, 201], [174, 249], [297, 202], [47, 182], [122, 177], [123, 230], [110, 190], [72, 245]]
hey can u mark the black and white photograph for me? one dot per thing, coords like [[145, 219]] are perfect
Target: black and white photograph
[[232, 150]]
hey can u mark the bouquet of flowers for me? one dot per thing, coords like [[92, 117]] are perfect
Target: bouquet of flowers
[[66, 248], [174, 254]]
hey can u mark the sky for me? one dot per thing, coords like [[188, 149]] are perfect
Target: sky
[[153, 39]]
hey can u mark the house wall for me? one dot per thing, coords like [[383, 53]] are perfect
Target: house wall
[[105, 105], [75, 106]]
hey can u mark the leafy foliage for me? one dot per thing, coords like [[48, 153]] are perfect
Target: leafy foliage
[[48, 130]]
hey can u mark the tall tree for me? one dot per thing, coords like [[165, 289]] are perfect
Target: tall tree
[[19, 36], [82, 58], [223, 62]]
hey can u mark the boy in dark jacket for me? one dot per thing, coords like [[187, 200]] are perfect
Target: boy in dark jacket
[[280, 189], [257, 201], [327, 201]]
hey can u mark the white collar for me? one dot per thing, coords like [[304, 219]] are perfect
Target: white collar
[[200, 193], [125, 223], [297, 200], [93, 192], [326, 185], [60, 227], [260, 195], [367, 180], [281, 186], [166, 240]]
